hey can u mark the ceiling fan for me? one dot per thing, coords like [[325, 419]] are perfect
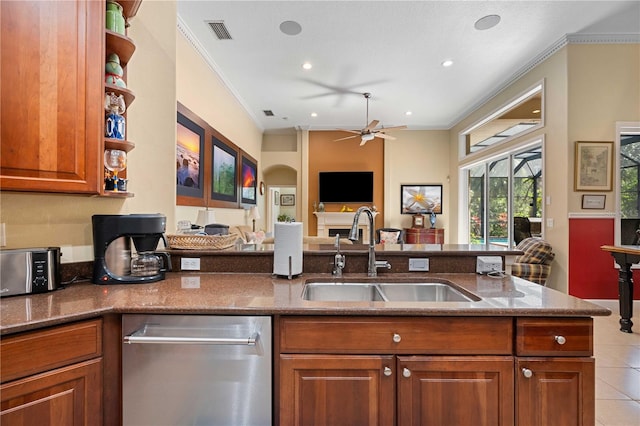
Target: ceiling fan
[[370, 132]]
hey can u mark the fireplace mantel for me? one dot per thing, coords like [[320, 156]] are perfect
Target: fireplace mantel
[[342, 220]]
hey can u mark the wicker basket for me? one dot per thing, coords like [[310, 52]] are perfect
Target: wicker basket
[[201, 242]]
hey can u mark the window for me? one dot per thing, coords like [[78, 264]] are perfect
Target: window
[[628, 178], [504, 197]]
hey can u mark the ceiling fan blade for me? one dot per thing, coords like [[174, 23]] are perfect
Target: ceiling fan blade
[[383, 136], [393, 128], [357, 132], [363, 141], [348, 137], [371, 126]]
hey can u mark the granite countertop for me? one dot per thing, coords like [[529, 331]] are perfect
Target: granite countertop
[[265, 294]]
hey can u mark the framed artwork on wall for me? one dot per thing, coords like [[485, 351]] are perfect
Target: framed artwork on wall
[[248, 180], [593, 166], [593, 201], [224, 173], [420, 199], [288, 200], [189, 162]]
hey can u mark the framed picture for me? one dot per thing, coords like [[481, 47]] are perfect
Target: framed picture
[[288, 200], [593, 201], [249, 175], [420, 199], [224, 174], [593, 166], [276, 198], [189, 160]]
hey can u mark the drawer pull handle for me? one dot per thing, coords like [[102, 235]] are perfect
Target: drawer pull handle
[[560, 340], [396, 337], [387, 371], [406, 372], [527, 373]]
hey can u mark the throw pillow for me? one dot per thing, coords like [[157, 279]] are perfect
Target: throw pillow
[[389, 237]]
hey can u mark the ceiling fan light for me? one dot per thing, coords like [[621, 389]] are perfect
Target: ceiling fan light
[[367, 137]]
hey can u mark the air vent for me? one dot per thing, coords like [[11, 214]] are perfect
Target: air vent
[[220, 30], [268, 112]]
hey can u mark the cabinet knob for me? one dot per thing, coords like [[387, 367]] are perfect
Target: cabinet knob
[[396, 338], [387, 371], [406, 372], [527, 373], [560, 340]]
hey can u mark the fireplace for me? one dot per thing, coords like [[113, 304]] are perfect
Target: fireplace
[[344, 233], [341, 222]]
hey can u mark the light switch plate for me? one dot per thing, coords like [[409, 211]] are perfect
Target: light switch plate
[[190, 263], [420, 264]]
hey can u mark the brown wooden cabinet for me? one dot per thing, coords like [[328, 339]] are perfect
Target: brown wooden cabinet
[[424, 235], [53, 376], [337, 390], [435, 370], [51, 97], [52, 88], [358, 365], [448, 390]]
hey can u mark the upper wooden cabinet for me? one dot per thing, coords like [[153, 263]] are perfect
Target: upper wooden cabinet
[[52, 59]]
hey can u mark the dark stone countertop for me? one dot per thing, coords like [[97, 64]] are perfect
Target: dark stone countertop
[[265, 294]]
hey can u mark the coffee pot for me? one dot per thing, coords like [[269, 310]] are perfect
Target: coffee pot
[[112, 238]]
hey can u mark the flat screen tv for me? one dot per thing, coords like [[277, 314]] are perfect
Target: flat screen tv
[[345, 187]]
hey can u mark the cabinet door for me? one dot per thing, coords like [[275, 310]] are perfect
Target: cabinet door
[[337, 390], [450, 390], [51, 95], [555, 391], [66, 396]]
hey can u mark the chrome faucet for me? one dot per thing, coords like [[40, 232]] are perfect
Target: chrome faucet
[[372, 268], [339, 260]]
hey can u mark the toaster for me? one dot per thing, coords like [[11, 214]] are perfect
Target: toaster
[[29, 270]]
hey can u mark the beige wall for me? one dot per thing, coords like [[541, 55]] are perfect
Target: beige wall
[[587, 89], [416, 157], [63, 220], [201, 90], [604, 87]]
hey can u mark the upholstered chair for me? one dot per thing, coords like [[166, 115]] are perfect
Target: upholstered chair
[[535, 264]]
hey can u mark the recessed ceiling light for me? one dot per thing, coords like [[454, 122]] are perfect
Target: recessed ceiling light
[[314, 114], [408, 113], [487, 22], [307, 66], [290, 28], [447, 63], [536, 111]]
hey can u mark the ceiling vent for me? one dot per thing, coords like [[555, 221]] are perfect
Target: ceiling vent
[[268, 112], [220, 30]]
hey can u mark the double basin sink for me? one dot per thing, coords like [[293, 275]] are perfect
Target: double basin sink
[[395, 290]]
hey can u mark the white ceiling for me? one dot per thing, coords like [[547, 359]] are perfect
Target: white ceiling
[[392, 49]]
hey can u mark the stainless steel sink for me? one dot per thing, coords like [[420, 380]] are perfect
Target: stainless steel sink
[[424, 292], [385, 291], [338, 291]]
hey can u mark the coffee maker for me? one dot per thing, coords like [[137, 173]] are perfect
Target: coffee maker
[[112, 236]]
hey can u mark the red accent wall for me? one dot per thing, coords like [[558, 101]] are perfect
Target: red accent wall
[[592, 272]]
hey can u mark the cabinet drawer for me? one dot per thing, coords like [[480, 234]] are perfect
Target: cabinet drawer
[[38, 351], [397, 335], [554, 337]]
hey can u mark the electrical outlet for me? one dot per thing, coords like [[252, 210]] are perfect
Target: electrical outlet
[[190, 263], [549, 222], [421, 264]]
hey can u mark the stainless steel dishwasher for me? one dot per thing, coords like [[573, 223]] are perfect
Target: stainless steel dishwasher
[[196, 370]]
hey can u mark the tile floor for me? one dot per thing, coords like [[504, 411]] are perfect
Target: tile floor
[[617, 369]]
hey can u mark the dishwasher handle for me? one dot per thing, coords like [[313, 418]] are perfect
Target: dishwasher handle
[[140, 337]]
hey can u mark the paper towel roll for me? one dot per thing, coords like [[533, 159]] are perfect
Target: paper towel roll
[[287, 250]]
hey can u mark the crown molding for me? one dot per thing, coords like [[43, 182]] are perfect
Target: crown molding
[[625, 38], [191, 38]]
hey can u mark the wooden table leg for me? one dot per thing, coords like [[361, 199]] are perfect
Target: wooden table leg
[[625, 294]]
